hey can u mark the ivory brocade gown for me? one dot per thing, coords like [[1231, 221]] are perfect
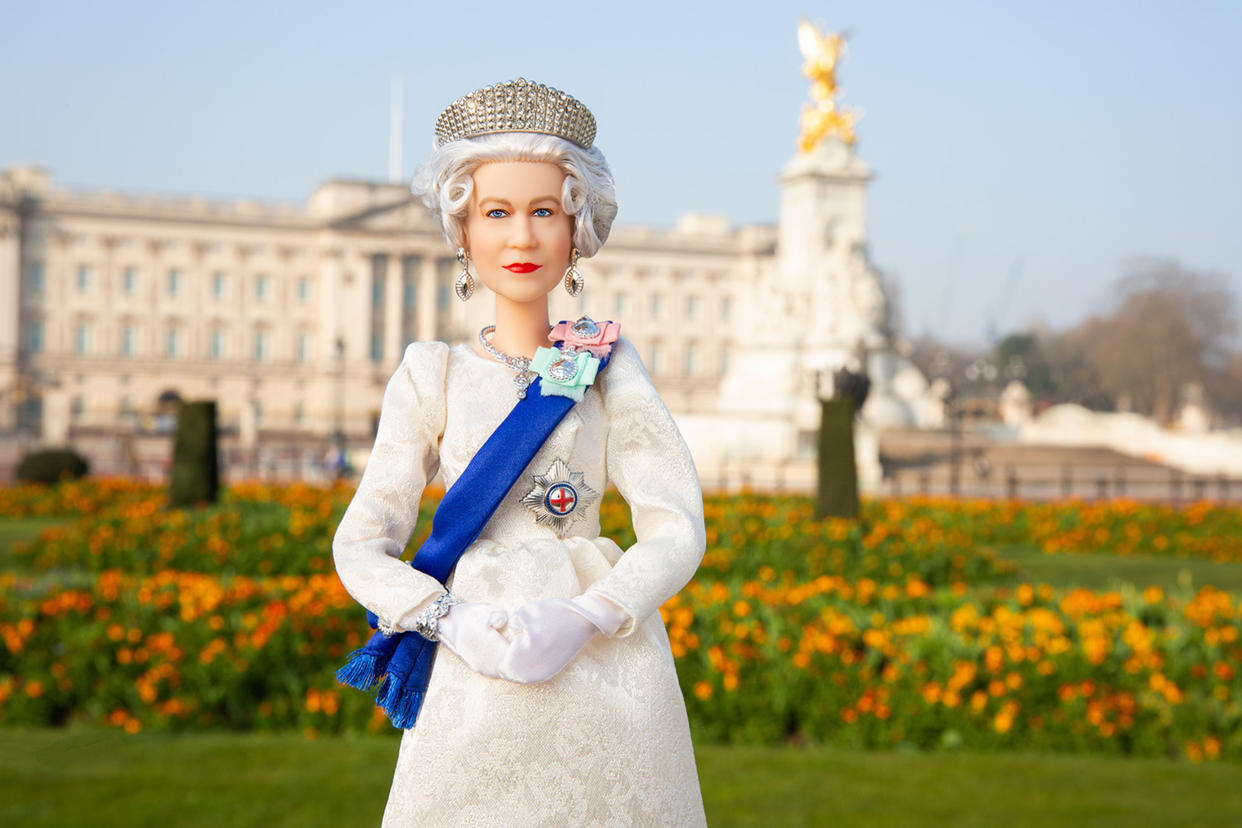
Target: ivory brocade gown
[[606, 741]]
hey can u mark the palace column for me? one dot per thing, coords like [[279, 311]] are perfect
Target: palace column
[[426, 305], [10, 315], [393, 298]]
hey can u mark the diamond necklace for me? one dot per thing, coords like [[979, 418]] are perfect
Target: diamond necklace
[[521, 365]]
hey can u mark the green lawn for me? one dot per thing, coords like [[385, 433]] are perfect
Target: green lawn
[[1104, 571], [19, 529], [104, 778]]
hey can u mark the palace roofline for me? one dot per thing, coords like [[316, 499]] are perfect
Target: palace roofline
[[338, 203]]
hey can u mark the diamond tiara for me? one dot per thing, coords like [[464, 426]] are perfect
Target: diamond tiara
[[516, 106]]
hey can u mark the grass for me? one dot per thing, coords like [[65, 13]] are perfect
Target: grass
[[1105, 571], [96, 777], [13, 530]]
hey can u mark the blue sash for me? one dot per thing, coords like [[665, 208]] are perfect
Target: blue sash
[[402, 662]]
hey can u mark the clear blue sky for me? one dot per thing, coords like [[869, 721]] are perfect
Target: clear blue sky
[[1039, 143]]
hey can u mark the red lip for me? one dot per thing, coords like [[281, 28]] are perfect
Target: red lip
[[522, 267]]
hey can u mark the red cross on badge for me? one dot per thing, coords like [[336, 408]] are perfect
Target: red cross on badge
[[557, 495], [561, 499]]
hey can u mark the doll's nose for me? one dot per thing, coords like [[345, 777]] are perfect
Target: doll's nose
[[522, 236]]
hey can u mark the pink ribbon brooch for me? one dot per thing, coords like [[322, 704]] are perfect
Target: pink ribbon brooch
[[569, 369]]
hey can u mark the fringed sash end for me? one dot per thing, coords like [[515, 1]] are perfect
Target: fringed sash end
[[401, 703], [359, 671]]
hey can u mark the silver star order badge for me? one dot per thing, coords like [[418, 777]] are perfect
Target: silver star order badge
[[560, 497]]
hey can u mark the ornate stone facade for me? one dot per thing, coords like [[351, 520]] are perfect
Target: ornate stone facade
[[293, 316]]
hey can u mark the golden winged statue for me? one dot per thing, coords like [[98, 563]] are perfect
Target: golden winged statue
[[822, 118]]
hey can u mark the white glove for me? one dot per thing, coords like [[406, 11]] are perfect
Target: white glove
[[472, 631], [549, 633]]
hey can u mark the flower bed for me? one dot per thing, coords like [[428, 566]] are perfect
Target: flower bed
[[879, 633]]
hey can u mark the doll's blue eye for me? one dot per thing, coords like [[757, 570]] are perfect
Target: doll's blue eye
[[543, 211], [497, 213]]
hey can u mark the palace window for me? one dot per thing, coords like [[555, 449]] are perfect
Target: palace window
[[82, 338], [377, 348], [691, 360], [260, 344], [34, 277], [217, 344], [174, 343], [446, 274], [692, 306], [619, 305], [217, 284], [128, 345], [84, 278], [303, 346], [726, 309], [657, 301], [174, 282], [260, 286], [303, 289], [34, 337], [129, 280], [656, 355]]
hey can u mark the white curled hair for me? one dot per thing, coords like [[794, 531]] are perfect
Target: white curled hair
[[444, 182]]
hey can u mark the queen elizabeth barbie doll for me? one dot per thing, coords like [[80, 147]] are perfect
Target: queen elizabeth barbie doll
[[554, 700]]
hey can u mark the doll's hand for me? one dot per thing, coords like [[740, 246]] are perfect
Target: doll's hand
[[472, 631], [549, 634]]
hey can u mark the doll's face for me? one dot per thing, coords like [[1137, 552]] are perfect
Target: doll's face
[[517, 233]]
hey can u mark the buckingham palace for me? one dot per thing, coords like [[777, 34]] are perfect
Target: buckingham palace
[[293, 317], [116, 307]]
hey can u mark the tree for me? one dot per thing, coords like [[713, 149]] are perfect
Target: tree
[[1170, 326], [1071, 367], [195, 477], [1020, 356], [1163, 326]]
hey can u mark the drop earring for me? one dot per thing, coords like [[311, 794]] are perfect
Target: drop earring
[[464, 285], [573, 279]]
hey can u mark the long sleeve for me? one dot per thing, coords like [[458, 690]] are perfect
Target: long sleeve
[[381, 517], [649, 462]]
